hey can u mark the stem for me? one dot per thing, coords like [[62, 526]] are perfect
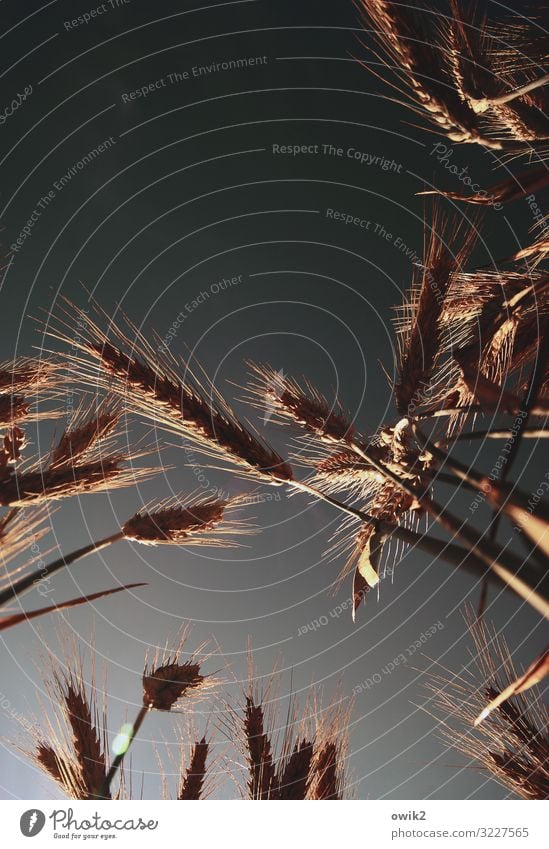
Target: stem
[[468, 475], [104, 792], [490, 555], [535, 383], [449, 411], [485, 103], [453, 554], [527, 433], [27, 582], [10, 621], [345, 508], [486, 551], [531, 395], [452, 480]]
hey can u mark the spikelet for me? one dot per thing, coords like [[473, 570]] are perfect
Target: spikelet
[[460, 74], [419, 322], [288, 759], [186, 520], [25, 385], [408, 38], [511, 743], [283, 400], [72, 747], [25, 375], [328, 777], [45, 485], [193, 776], [167, 680], [345, 472], [85, 434], [19, 531], [153, 385], [84, 460]]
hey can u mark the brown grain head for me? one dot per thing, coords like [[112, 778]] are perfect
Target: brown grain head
[[175, 524], [419, 323], [86, 434], [25, 375], [164, 685], [194, 775], [413, 45], [294, 775], [47, 758], [70, 739], [261, 770], [329, 778], [511, 743], [448, 67], [51, 484], [283, 753], [188, 520], [167, 678], [19, 530], [283, 400], [152, 384], [344, 471], [83, 720]]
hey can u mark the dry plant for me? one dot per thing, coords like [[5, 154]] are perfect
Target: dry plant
[[302, 756], [71, 748], [472, 345], [159, 388], [461, 71], [507, 736], [167, 680], [467, 345], [193, 776], [25, 385], [84, 461], [181, 520]]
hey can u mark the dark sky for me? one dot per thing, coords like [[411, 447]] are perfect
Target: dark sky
[[192, 188]]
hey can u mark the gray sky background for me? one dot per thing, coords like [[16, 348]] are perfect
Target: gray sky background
[[190, 192]]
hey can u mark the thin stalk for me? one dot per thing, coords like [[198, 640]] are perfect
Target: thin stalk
[[105, 787], [485, 103], [535, 383], [527, 433], [26, 583], [453, 554], [10, 621], [485, 550], [476, 480], [530, 397], [452, 480], [449, 411], [345, 508], [540, 410]]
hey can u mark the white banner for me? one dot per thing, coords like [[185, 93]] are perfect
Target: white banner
[[372, 824]]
